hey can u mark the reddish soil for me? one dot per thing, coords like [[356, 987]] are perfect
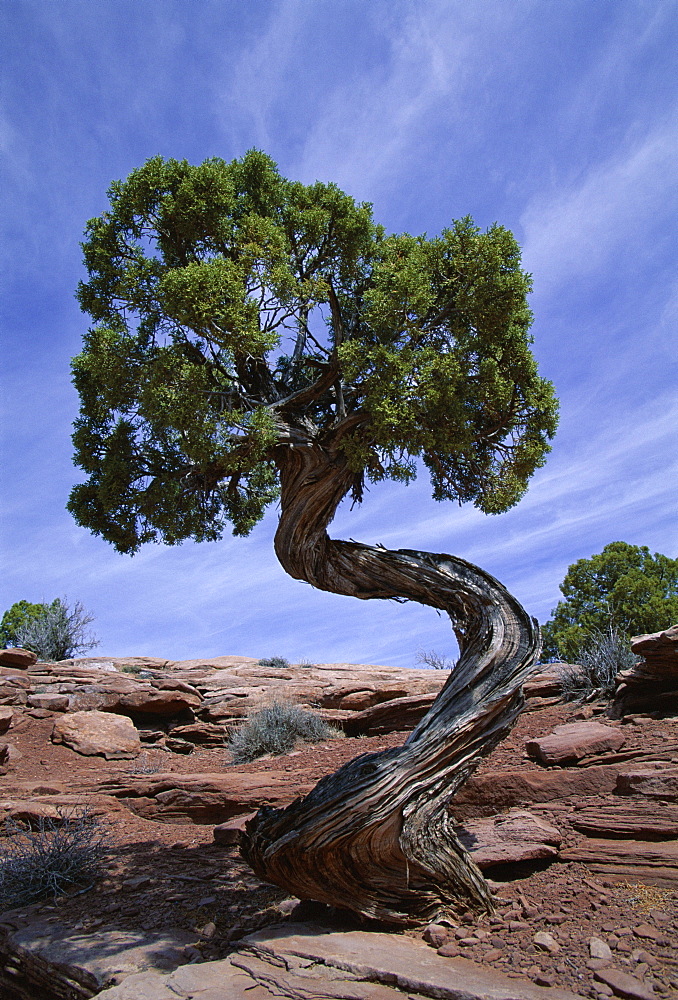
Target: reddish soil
[[164, 875]]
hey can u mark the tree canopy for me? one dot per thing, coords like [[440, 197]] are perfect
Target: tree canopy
[[234, 309], [624, 587], [21, 614]]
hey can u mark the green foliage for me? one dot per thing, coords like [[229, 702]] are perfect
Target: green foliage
[[623, 587], [21, 613], [58, 633], [55, 857], [233, 308], [603, 655], [276, 730], [274, 661]]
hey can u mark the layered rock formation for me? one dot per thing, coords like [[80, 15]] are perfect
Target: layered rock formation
[[652, 684]]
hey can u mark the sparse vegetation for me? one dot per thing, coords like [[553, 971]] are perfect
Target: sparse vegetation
[[144, 765], [434, 660], [602, 657], [58, 632], [55, 857], [275, 661], [276, 730]]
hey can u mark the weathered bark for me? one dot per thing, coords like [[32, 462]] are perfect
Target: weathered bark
[[376, 836]]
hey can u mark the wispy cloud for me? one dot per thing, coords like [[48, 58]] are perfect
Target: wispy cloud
[[573, 230]]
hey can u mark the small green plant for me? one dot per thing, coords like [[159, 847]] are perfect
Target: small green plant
[[434, 660], [130, 668], [306, 664], [602, 657], [56, 856], [20, 614], [275, 661], [276, 730], [58, 633]]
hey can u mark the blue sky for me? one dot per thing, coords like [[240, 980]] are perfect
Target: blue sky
[[555, 119]]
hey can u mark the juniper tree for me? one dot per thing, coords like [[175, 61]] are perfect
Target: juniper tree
[[255, 338]]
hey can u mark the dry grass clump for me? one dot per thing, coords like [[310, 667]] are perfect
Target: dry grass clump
[[50, 860], [276, 730]]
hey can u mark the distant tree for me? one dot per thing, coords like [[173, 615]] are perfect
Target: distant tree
[[623, 587], [15, 618], [58, 633], [257, 338]]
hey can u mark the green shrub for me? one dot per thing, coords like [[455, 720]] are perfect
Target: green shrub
[[58, 633], [275, 661], [602, 657], [51, 859], [275, 730], [21, 613]]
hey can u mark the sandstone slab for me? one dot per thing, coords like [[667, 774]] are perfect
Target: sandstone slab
[[631, 854], [70, 966], [509, 838], [495, 791], [20, 659], [653, 783], [546, 682], [631, 820], [573, 742], [398, 960], [204, 798], [98, 733], [52, 702]]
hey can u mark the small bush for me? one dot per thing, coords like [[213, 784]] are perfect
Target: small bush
[[275, 661], [434, 660], [603, 656], [58, 633], [50, 860], [275, 730]]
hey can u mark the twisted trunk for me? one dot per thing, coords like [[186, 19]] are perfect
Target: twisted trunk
[[376, 836]]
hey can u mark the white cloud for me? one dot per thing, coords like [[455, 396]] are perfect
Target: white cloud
[[574, 230]]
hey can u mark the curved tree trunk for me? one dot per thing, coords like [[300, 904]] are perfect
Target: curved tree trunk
[[376, 836]]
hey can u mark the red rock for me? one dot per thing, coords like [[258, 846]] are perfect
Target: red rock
[[620, 853], [624, 985], [659, 649], [98, 733], [509, 838], [204, 798], [546, 941], [228, 832], [51, 702], [494, 791], [6, 715], [436, 935], [573, 742], [546, 683], [449, 950], [648, 933], [633, 820], [20, 659], [205, 734], [653, 783]]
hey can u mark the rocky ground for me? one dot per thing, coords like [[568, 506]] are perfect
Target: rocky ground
[[576, 827]]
